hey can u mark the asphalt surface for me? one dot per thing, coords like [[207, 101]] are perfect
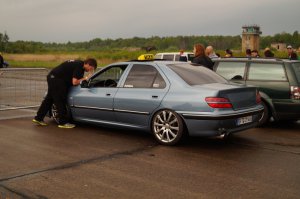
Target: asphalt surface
[[97, 162]]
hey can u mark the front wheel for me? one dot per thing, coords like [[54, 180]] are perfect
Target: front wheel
[[54, 113], [167, 127]]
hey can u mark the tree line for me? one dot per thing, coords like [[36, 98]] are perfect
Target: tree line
[[173, 43]]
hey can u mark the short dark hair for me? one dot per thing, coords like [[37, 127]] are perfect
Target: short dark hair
[[91, 62]]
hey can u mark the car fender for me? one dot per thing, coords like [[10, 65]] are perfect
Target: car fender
[[269, 103]]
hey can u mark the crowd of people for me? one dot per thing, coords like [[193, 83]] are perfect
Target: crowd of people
[[204, 55]]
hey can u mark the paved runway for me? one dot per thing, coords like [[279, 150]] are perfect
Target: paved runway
[[96, 162]]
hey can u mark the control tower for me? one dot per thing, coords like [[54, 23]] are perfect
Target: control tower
[[250, 37]]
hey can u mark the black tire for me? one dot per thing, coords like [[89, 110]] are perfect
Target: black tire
[[265, 115], [54, 113], [167, 127]]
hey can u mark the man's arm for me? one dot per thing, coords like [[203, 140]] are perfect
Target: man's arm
[[76, 82]]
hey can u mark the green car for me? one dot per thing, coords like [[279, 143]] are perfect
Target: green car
[[278, 81]]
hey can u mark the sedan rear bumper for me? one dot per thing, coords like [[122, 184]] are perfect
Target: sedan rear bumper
[[220, 124]]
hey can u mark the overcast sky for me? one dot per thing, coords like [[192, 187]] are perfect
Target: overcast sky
[[84, 20]]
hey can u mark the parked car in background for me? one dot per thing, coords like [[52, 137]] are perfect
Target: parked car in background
[[174, 56], [169, 99], [277, 80]]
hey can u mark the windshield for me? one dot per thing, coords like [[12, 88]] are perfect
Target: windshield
[[297, 70], [196, 75]]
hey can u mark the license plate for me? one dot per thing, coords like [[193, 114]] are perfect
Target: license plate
[[244, 120]]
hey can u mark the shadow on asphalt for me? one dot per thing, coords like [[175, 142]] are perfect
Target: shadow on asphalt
[[232, 141]]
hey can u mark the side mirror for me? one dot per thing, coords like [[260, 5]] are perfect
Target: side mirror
[[84, 84]]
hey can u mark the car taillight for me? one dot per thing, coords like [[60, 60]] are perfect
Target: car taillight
[[258, 98], [295, 92], [218, 102]]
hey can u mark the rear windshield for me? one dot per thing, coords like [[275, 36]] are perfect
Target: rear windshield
[[196, 75], [297, 70]]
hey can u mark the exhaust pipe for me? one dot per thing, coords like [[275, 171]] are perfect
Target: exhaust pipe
[[223, 134]]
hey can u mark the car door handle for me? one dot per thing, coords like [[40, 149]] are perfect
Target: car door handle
[[107, 94], [154, 96]]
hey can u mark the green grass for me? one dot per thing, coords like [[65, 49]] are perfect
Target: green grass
[[33, 64], [103, 57]]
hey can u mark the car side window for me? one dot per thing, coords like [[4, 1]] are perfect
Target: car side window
[[169, 57], [231, 70], [297, 70], [109, 77], [266, 71], [144, 76]]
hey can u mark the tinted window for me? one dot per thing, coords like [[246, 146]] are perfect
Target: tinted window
[[144, 76], [231, 70], [297, 70], [196, 75], [177, 57], [169, 57], [264, 71], [108, 77], [190, 57]]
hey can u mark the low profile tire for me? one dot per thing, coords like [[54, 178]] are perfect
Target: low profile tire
[[265, 117], [167, 127], [54, 113]]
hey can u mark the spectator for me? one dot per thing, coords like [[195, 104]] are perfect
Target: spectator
[[182, 57], [268, 53], [248, 52], [291, 53], [254, 53], [210, 52], [228, 53], [1, 61], [201, 58]]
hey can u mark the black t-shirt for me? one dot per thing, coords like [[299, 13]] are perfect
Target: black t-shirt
[[69, 70]]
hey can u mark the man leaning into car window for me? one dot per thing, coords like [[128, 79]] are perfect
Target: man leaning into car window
[[60, 80]]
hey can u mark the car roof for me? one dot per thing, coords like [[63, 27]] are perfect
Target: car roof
[[254, 59]]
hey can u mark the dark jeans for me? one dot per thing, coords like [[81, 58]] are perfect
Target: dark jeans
[[57, 94]]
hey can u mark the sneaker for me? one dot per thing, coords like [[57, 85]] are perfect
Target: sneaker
[[41, 123], [66, 126]]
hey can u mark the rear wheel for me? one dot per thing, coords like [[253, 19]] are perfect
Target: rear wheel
[[265, 117], [167, 127]]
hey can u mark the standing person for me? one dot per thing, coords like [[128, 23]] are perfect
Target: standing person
[[248, 52], [1, 61], [254, 53], [291, 53], [182, 57], [228, 53], [268, 53], [60, 80], [210, 52], [201, 58]]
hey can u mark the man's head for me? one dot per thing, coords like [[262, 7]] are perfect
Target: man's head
[[90, 64], [289, 49], [254, 53], [209, 50], [248, 52]]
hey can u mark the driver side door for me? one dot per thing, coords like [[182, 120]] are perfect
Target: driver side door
[[95, 103]]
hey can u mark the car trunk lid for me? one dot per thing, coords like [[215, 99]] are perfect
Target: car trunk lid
[[239, 96]]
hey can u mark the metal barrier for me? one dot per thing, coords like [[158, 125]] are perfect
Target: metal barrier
[[22, 87]]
